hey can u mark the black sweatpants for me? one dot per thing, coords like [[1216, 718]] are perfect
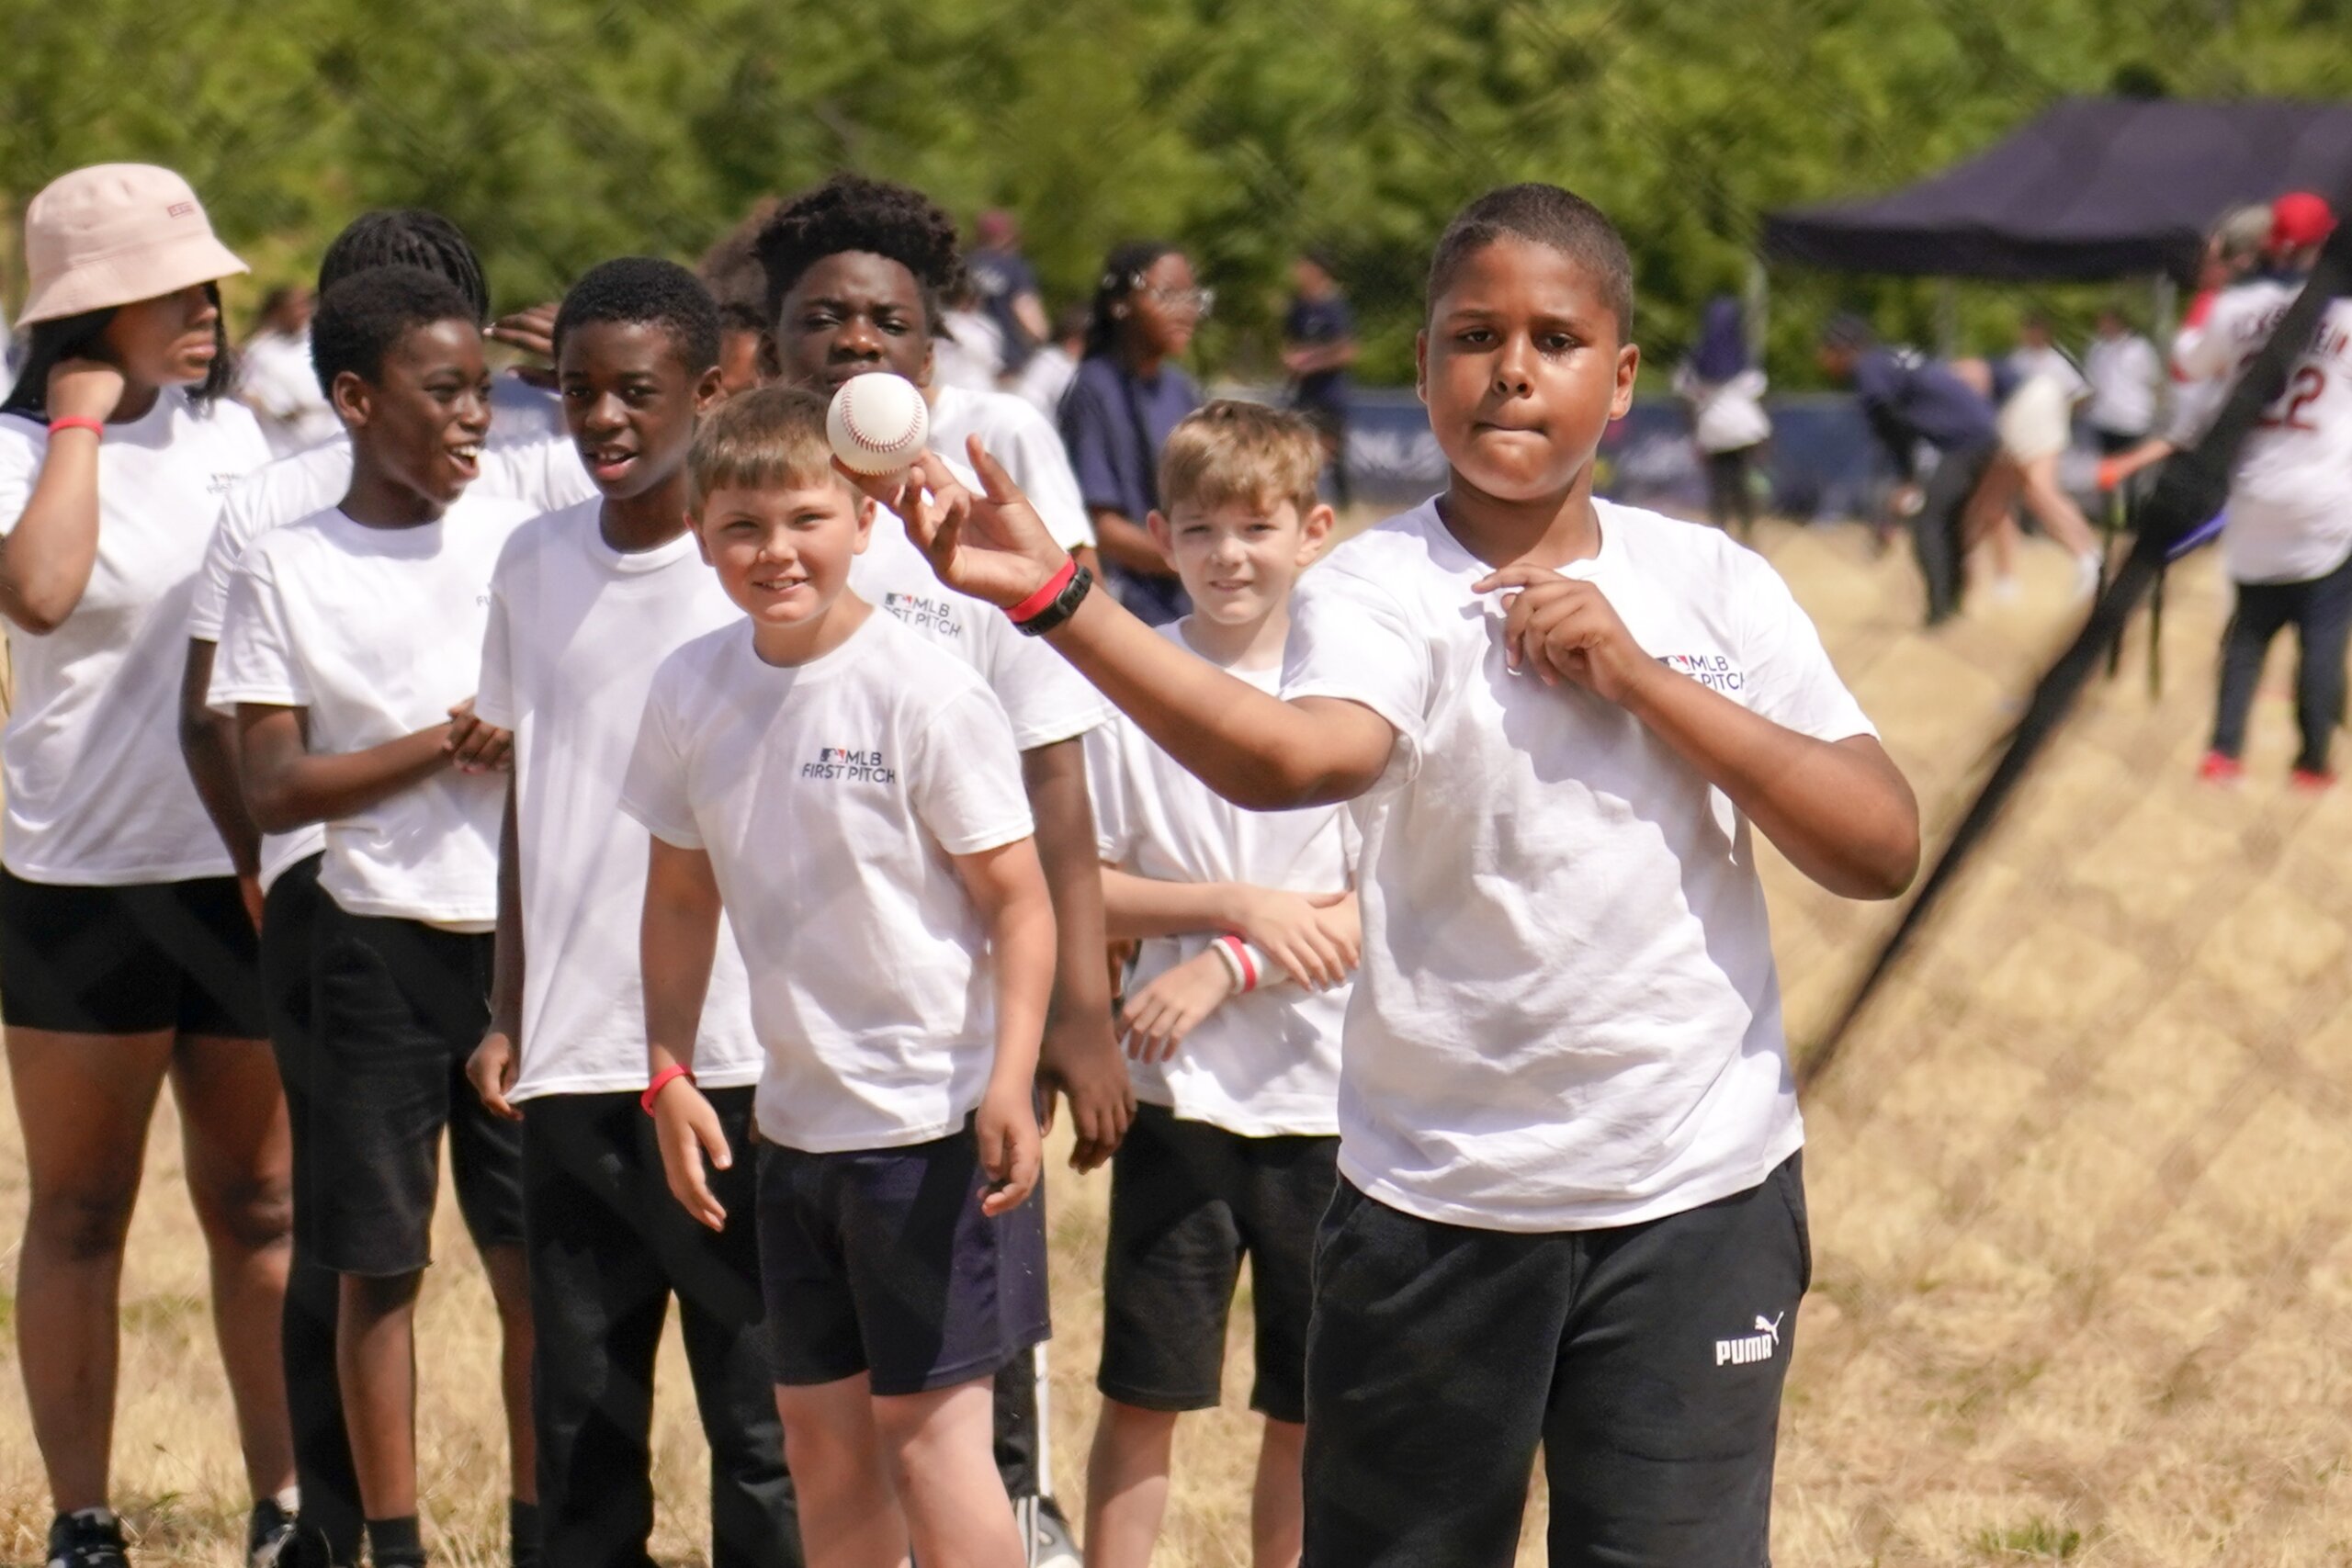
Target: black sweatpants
[[1645, 1359], [2320, 609], [323, 1465], [608, 1248], [1938, 533], [1730, 488]]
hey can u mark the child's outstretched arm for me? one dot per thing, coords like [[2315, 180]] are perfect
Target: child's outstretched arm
[[677, 940], [1008, 884], [1256, 750], [1840, 811]]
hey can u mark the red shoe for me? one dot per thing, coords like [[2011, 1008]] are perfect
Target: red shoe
[[2219, 769], [2309, 782]]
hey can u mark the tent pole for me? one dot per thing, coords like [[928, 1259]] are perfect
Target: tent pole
[[1947, 318], [1758, 303]]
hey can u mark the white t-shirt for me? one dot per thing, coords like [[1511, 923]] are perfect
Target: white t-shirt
[[543, 474], [1028, 445], [1046, 699], [2049, 361], [1045, 378], [2124, 374], [1268, 1062], [829, 797], [968, 351], [97, 792], [1567, 1016], [576, 630], [2291, 497], [276, 379], [378, 633]]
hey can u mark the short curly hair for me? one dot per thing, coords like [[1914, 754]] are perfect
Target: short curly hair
[[645, 291], [360, 318], [850, 212]]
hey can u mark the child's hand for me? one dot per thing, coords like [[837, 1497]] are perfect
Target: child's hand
[[475, 747], [1158, 1016], [1010, 1150], [1342, 923], [990, 546], [1566, 629], [688, 1128], [83, 388], [490, 1069], [1291, 929], [533, 331]]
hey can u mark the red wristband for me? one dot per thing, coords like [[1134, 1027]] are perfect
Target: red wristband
[[662, 1081], [1243, 963], [1035, 605], [78, 422]]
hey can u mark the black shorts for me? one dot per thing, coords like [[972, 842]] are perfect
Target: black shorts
[[1647, 1360], [1188, 1202], [880, 1261], [131, 960], [400, 1007]]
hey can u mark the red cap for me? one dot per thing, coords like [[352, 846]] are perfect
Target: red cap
[[2298, 219]]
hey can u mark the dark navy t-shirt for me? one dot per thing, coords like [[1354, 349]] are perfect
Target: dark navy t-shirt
[[1317, 322], [1115, 424], [1910, 399], [999, 277]]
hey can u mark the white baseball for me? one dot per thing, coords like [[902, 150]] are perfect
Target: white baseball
[[877, 423]]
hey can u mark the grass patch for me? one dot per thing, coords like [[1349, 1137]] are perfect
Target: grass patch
[[2034, 1539]]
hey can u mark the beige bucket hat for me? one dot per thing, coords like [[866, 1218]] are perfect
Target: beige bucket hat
[[113, 233]]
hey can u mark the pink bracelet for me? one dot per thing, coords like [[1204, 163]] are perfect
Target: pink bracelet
[[1031, 607], [96, 427], [662, 1081]]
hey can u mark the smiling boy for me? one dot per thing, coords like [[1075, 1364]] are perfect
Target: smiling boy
[[1568, 1130], [850, 797], [349, 653]]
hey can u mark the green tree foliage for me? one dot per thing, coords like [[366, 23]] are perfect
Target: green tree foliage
[[561, 131]]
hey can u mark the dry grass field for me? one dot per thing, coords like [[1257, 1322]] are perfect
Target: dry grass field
[[2082, 1182]]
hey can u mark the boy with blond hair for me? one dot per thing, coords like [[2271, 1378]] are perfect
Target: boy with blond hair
[[851, 796], [1234, 1044]]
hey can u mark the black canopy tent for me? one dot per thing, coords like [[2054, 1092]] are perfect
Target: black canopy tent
[[2093, 188]]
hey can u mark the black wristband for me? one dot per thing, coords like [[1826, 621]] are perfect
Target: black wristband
[[1064, 606]]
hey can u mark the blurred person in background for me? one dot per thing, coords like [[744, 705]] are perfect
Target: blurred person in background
[[967, 353], [129, 955], [2234, 252], [730, 269], [1047, 374], [1129, 392], [275, 379], [1319, 345], [2287, 541], [2036, 389], [2125, 373], [1911, 401], [1725, 390], [1006, 285]]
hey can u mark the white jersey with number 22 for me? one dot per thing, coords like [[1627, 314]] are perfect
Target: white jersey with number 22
[[2291, 497]]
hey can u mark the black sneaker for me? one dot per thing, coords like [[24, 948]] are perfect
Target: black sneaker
[[88, 1538], [269, 1537]]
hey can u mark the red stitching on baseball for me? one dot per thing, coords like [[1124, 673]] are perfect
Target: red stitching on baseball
[[849, 423]]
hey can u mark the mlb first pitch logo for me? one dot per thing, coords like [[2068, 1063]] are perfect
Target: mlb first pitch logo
[[1711, 669], [852, 766], [933, 616]]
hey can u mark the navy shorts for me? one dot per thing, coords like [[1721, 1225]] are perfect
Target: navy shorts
[[879, 1261], [1188, 1202], [131, 960]]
